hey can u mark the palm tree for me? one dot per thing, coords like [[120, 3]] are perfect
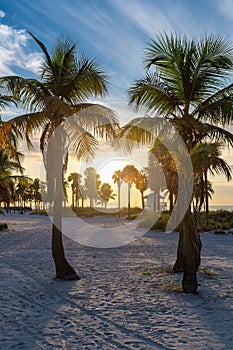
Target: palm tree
[[155, 178], [168, 166], [129, 174], [7, 167], [92, 184], [35, 187], [141, 184], [117, 179], [185, 84], [206, 158], [75, 186], [67, 80], [199, 192], [106, 193]]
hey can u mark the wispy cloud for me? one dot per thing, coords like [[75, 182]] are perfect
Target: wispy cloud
[[148, 18]]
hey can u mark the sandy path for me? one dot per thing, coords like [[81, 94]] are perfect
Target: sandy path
[[123, 301]]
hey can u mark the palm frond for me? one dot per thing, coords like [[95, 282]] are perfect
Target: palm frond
[[81, 142], [218, 134], [97, 119], [151, 93], [45, 52], [30, 92], [218, 108], [140, 132], [86, 80]]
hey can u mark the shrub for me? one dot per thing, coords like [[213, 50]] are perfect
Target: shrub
[[3, 226]]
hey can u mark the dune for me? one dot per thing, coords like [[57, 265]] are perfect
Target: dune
[[127, 297]]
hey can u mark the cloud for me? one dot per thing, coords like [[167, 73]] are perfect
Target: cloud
[[148, 18], [2, 14], [13, 51]]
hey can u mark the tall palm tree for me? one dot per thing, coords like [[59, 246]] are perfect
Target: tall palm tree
[[141, 184], [168, 166], [199, 192], [117, 179], [7, 168], [106, 193], [206, 158], [67, 80], [155, 177], [129, 174], [75, 186], [185, 83], [9, 134], [92, 184]]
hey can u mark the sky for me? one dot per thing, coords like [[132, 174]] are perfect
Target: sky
[[116, 33]]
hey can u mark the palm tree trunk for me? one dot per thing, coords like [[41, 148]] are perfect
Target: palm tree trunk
[[206, 198], [119, 200], [158, 202], [72, 199], [171, 204], [142, 199], [129, 186], [179, 264], [63, 268], [154, 201], [188, 253]]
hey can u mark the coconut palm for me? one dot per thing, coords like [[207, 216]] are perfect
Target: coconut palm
[[75, 187], [155, 179], [106, 193], [129, 175], [92, 184], [7, 168], [199, 192], [168, 166], [67, 80], [9, 134], [206, 158], [185, 83], [141, 184], [117, 179]]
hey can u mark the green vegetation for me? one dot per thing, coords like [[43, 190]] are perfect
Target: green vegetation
[[3, 226], [219, 221]]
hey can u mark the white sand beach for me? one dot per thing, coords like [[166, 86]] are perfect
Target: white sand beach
[[126, 299]]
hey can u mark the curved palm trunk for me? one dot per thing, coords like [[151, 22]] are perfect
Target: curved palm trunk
[[63, 269], [188, 253]]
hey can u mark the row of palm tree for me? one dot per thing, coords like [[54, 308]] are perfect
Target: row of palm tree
[[184, 84], [20, 191], [131, 175], [92, 188]]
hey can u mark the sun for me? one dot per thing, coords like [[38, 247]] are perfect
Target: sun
[[107, 168]]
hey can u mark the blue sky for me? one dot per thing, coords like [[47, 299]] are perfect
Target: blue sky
[[116, 32]]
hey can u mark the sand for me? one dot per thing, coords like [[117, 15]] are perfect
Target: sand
[[127, 299]]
